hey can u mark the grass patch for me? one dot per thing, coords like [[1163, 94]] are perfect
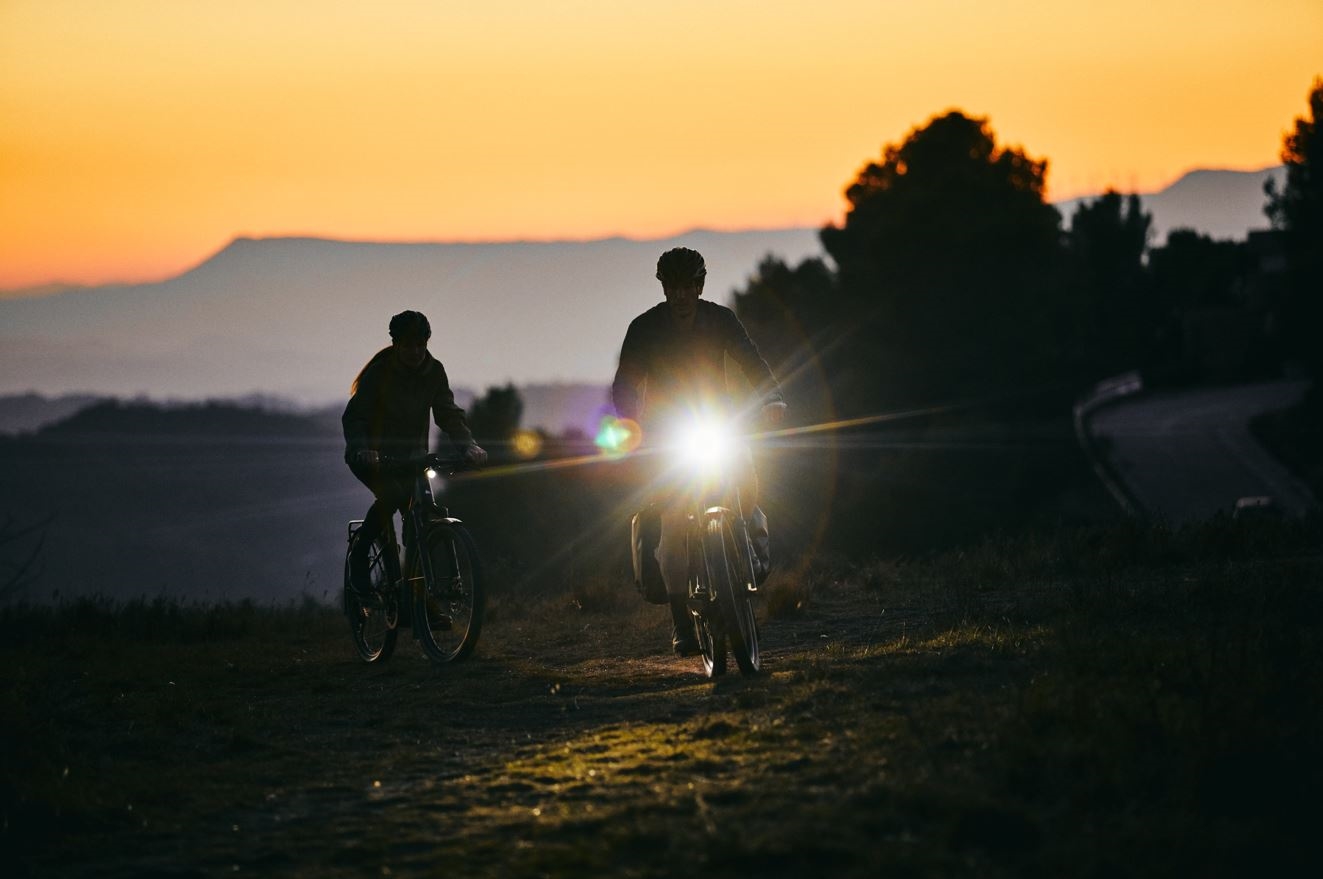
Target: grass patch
[[1133, 700]]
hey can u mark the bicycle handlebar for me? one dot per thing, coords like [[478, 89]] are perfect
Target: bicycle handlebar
[[436, 460]]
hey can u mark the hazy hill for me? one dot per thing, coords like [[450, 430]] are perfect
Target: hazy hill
[[24, 413], [299, 317], [557, 407], [150, 422], [554, 407], [1222, 204]]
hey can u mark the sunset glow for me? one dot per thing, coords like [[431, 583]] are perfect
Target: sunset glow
[[138, 137]]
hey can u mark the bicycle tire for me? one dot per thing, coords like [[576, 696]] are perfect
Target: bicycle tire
[[448, 612], [374, 618], [711, 644], [732, 590]]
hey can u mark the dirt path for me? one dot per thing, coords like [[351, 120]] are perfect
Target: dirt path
[[1041, 708], [567, 730]]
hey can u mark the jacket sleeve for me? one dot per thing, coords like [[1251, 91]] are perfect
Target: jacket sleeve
[[449, 416], [745, 353], [357, 418], [631, 373]]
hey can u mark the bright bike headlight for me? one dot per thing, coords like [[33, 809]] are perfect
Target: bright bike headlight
[[436, 480], [706, 446]]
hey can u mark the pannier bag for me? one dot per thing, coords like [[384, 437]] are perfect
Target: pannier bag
[[762, 550], [644, 536]]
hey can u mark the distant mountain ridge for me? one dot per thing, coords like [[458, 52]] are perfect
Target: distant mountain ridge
[[296, 318], [154, 421], [26, 413], [1220, 204]]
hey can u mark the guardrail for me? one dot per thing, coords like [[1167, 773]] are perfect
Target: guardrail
[[1104, 393]]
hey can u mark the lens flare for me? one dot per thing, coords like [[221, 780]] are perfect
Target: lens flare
[[527, 444], [618, 436]]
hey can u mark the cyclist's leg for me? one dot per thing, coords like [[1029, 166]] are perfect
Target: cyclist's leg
[[379, 519], [673, 558], [672, 552]]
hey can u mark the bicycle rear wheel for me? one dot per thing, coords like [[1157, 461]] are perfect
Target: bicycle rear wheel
[[733, 576], [374, 616], [448, 607]]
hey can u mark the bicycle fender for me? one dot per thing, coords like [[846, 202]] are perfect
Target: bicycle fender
[[716, 512]]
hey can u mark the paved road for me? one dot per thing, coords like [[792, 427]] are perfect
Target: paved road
[[1185, 456]]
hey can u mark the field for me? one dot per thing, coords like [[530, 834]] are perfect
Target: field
[[250, 513], [1094, 702]]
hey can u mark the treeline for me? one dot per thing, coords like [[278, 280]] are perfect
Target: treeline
[[952, 280], [951, 277]]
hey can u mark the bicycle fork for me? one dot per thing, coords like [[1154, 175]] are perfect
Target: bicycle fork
[[426, 561], [698, 559]]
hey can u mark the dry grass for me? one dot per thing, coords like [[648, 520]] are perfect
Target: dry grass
[[1133, 701]]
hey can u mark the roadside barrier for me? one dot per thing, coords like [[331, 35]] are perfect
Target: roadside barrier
[[1108, 392]]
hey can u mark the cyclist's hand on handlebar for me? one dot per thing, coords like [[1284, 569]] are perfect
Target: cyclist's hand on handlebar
[[475, 455], [368, 457], [774, 413]]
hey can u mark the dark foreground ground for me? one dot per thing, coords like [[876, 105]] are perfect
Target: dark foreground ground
[[1110, 702]]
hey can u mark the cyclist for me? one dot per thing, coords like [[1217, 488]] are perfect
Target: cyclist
[[672, 363], [387, 416]]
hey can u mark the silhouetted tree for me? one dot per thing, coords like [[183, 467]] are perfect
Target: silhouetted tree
[[946, 261], [790, 313], [495, 417], [1193, 275], [1192, 270], [1115, 320], [1297, 211]]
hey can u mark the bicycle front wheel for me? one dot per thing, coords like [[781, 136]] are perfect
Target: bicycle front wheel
[[448, 605], [711, 642], [374, 615], [733, 568]]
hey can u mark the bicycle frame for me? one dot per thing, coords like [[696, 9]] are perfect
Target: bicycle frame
[[423, 510], [412, 588]]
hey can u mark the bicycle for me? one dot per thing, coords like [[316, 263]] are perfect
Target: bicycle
[[722, 579], [439, 592]]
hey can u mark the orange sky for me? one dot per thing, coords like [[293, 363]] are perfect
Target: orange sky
[[139, 136]]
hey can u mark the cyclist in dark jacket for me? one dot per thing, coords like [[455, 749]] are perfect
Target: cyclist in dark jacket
[[387, 415], [672, 364], [674, 361]]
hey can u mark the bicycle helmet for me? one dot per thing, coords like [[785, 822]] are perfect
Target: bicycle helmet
[[410, 325], [681, 266]]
